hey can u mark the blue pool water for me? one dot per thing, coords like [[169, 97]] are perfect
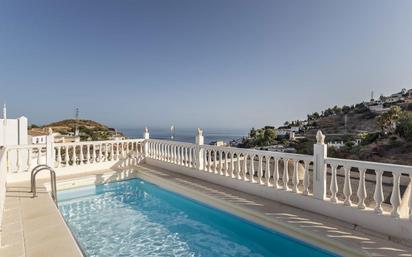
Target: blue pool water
[[137, 218]]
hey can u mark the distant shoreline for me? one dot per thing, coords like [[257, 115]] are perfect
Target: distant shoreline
[[188, 135]]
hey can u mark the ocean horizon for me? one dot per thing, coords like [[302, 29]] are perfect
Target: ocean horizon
[[187, 134]]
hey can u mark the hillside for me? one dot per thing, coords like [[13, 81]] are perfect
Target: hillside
[[88, 129], [361, 131]]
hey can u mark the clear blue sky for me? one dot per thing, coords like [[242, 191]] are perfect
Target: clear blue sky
[[214, 64]]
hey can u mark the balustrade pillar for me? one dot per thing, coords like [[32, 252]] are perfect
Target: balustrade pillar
[[319, 167], [199, 150], [146, 137], [50, 149]]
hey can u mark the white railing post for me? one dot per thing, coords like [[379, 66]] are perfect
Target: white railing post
[[199, 152], [319, 167], [146, 136], [50, 149]]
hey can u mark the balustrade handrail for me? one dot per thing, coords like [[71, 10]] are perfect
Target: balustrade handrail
[[170, 142], [302, 157], [394, 168], [99, 142], [13, 147]]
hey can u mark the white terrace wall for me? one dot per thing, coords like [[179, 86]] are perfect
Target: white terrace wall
[[3, 176], [304, 181], [72, 158], [298, 180]]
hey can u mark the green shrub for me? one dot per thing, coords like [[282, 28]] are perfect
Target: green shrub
[[370, 138], [404, 126]]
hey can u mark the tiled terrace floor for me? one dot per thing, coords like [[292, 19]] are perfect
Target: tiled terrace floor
[[33, 227]]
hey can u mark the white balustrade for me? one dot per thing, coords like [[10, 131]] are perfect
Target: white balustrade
[[362, 172]]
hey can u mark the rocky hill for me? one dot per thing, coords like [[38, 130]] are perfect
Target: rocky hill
[[88, 129]]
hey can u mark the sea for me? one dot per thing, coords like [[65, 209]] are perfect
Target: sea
[[188, 134]]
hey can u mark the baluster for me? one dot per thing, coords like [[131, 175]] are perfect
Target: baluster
[[260, 169], [191, 158], [81, 155], [245, 157], [38, 155], [232, 165], [267, 171], [75, 155], [172, 154], [29, 156], [178, 155], [66, 156], [186, 158], [295, 176], [252, 169], [214, 162], [224, 164], [8, 161], [94, 153], [333, 184], [276, 174], [238, 168], [306, 179], [396, 196], [88, 153], [112, 152], [226, 167], [285, 177], [347, 187], [161, 151], [206, 160], [106, 152], [221, 166], [165, 152], [361, 189], [18, 164], [378, 195], [183, 155], [59, 157]]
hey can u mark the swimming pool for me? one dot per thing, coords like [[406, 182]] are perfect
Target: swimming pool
[[137, 218]]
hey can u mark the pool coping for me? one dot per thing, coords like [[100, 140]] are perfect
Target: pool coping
[[34, 227], [331, 246]]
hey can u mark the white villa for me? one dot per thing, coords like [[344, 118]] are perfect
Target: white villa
[[345, 207]]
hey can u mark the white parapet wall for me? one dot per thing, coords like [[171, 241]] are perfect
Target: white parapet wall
[[3, 177], [278, 176], [366, 194], [71, 158]]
